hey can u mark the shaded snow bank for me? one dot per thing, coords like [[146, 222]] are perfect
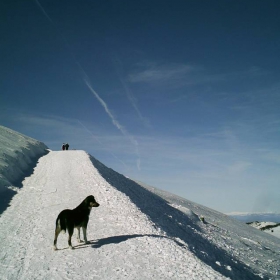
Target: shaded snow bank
[[255, 253], [18, 157], [218, 242]]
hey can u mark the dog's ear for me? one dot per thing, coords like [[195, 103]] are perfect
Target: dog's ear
[[89, 199]]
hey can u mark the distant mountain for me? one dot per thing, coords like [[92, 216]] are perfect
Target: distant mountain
[[266, 222], [260, 217]]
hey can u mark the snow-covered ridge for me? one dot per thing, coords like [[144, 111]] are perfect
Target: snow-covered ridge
[[264, 225], [268, 227], [138, 232], [267, 222], [18, 156]]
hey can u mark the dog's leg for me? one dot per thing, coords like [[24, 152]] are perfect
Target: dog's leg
[[85, 235], [57, 232], [78, 236], [70, 231]]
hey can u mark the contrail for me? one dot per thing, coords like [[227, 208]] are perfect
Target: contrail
[[131, 98], [86, 80], [61, 36], [44, 12], [101, 143], [114, 121], [102, 102]]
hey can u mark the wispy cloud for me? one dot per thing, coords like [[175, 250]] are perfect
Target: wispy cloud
[[56, 122], [156, 72], [129, 94], [72, 131], [114, 120], [176, 74], [133, 102], [53, 130], [239, 167]]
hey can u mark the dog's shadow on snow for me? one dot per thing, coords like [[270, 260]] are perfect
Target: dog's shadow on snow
[[119, 239], [113, 240]]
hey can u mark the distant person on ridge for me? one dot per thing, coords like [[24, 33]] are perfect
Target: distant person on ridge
[[66, 146], [63, 147]]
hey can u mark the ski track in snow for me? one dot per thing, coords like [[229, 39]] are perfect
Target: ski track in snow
[[124, 243], [134, 234]]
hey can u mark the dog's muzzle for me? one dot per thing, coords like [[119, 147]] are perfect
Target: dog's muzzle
[[94, 204]]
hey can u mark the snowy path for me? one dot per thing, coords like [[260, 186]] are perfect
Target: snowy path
[[125, 243]]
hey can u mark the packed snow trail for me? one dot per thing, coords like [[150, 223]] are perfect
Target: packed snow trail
[[124, 242]]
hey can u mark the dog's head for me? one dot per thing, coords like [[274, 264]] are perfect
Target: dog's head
[[91, 202]]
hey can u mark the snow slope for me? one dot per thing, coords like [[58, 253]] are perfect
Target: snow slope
[[18, 156], [268, 227], [125, 243], [267, 222], [235, 241], [136, 233]]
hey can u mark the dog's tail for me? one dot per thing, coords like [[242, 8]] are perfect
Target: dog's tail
[[61, 223]]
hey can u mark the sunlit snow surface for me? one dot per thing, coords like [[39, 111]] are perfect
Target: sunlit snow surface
[[136, 233], [267, 222]]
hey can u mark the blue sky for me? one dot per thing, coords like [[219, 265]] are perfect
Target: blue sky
[[181, 95]]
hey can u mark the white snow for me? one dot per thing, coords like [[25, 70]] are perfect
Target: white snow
[[268, 227], [17, 152], [261, 221], [274, 231], [18, 156], [138, 232]]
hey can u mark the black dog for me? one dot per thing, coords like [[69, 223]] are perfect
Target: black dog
[[76, 218]]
